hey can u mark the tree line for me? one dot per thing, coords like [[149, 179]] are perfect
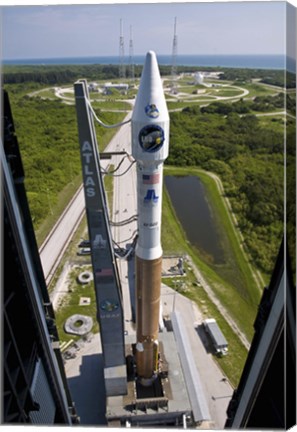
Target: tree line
[[249, 158], [275, 77], [48, 139], [64, 74], [258, 104]]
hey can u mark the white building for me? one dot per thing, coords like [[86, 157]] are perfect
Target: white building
[[198, 78], [118, 86]]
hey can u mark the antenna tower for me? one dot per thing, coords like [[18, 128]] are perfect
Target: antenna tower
[[131, 60], [122, 71], [173, 61]]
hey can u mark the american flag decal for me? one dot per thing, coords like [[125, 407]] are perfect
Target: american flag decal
[[104, 272], [150, 178], [104, 275]]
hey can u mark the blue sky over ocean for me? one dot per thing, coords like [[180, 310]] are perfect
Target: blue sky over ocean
[[210, 28]]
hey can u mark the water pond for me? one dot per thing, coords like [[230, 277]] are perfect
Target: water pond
[[188, 197]]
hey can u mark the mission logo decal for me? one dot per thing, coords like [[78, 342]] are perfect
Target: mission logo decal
[[151, 138], [109, 305], [152, 111]]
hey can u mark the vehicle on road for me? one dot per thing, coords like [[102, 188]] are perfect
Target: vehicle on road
[[218, 340], [84, 243], [84, 251]]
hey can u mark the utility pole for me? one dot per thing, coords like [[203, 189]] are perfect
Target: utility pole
[[131, 60], [173, 61], [122, 71]]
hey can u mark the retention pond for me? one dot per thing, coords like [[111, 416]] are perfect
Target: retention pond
[[188, 197]]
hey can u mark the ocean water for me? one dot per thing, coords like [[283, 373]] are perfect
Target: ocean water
[[232, 61]]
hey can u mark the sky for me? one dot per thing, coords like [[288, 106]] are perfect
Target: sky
[[80, 30]]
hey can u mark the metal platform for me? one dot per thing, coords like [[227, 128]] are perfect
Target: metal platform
[[165, 404]]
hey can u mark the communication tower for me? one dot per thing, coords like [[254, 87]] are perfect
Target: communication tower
[[122, 71], [173, 61], [131, 60]]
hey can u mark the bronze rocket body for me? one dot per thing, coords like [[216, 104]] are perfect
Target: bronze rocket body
[[148, 291], [150, 133]]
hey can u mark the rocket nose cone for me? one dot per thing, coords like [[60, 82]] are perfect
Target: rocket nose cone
[[150, 89], [150, 66], [150, 55]]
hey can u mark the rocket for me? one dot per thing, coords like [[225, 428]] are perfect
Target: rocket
[[150, 142]]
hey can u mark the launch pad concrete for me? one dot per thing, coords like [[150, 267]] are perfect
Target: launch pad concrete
[[86, 380], [164, 404]]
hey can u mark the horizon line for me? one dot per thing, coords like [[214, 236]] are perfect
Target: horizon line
[[141, 55]]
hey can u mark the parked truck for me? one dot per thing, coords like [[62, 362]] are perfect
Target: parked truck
[[219, 342]]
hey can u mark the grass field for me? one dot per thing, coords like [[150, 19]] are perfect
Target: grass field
[[243, 311], [233, 363], [233, 285], [107, 105], [108, 186], [260, 90], [67, 193], [70, 304], [64, 197]]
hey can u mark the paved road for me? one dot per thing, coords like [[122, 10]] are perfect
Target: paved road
[[86, 382], [125, 206], [57, 241], [217, 390]]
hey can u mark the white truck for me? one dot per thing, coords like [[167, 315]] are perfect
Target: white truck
[[219, 342]]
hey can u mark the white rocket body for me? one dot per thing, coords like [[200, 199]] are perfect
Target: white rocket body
[[150, 149], [150, 142]]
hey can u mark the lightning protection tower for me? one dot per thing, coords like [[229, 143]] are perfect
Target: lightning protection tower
[[131, 60], [173, 61], [122, 71]]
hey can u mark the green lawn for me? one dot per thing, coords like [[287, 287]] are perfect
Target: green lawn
[[108, 186], [70, 304], [116, 105], [242, 310], [233, 363], [233, 283], [225, 92], [181, 104], [259, 90], [55, 211], [47, 93]]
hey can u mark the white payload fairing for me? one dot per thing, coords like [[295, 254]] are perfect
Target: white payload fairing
[[150, 142]]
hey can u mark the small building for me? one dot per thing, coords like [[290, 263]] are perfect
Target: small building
[[93, 87], [198, 78], [108, 87], [219, 342]]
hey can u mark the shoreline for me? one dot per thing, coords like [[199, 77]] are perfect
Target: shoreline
[[230, 61]]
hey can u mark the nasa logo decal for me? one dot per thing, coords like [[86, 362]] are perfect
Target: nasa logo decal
[[152, 111]]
